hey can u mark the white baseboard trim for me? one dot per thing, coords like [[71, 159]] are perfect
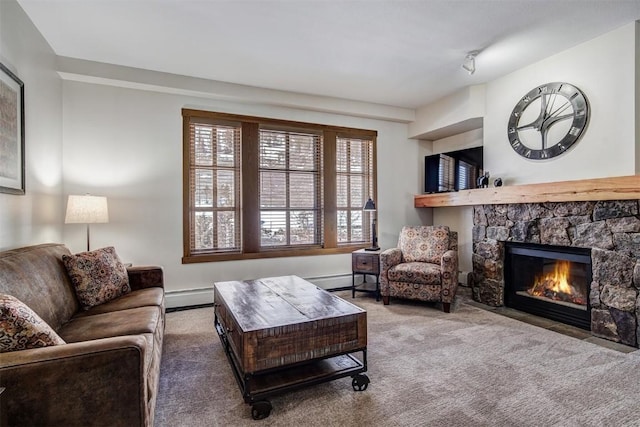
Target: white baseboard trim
[[191, 297], [463, 277]]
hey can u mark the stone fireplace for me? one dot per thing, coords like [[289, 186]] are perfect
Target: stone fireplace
[[610, 230]]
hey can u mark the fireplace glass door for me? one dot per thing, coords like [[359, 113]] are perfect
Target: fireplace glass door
[[549, 281]]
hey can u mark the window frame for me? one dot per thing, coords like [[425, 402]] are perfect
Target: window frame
[[250, 186]]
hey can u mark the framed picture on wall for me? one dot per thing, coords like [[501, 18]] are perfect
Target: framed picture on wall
[[11, 132]]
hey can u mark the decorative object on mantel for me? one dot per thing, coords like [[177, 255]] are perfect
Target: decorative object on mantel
[[370, 206], [545, 107], [483, 180], [87, 209], [497, 182], [12, 131]]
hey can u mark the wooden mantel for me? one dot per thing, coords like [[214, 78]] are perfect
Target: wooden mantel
[[614, 188]]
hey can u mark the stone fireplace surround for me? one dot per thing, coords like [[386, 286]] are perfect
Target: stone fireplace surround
[[611, 229]]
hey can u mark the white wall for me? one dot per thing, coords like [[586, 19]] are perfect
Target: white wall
[[37, 216], [604, 69], [126, 144], [637, 94], [456, 113]]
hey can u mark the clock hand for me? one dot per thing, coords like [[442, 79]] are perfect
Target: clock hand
[[537, 123], [560, 109], [532, 125], [549, 119], [547, 123]]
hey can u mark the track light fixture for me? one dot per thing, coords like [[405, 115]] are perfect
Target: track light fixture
[[469, 63]]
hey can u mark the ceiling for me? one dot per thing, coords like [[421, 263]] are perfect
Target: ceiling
[[393, 52]]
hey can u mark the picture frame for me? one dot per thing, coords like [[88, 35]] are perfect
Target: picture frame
[[12, 141]]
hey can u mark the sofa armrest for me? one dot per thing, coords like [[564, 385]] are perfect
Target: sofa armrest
[[145, 276], [99, 382], [449, 268]]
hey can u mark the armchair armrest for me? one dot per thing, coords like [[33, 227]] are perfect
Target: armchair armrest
[[449, 268], [145, 276], [85, 383], [388, 258]]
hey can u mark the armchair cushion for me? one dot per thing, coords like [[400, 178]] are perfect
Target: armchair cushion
[[98, 276], [21, 328], [424, 244], [416, 272]]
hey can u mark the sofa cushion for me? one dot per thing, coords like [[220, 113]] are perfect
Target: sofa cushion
[[134, 299], [98, 276], [36, 276], [21, 328], [424, 243], [141, 320]]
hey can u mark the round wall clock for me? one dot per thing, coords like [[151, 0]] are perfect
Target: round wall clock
[[548, 120]]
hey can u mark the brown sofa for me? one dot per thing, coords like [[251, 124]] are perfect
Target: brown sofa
[[107, 372]]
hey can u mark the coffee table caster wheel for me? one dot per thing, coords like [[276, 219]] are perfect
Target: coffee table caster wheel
[[261, 409], [360, 382]]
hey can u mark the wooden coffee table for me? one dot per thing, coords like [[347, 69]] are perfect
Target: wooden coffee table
[[282, 333]]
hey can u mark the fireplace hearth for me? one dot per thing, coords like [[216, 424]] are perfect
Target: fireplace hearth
[[549, 281]]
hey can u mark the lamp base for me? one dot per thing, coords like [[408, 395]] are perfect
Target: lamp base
[[372, 249]]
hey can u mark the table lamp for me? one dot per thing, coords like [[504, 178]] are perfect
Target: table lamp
[[370, 206], [86, 210]]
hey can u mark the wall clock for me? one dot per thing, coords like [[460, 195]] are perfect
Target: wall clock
[[548, 120]]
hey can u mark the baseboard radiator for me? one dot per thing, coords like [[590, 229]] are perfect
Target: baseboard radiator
[[204, 296]]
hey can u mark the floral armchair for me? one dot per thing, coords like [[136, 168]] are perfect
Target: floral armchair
[[423, 267]]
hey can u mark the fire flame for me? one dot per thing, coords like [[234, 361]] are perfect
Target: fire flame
[[556, 285], [557, 280]]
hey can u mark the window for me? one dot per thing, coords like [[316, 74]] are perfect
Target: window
[[213, 187], [354, 169], [290, 204], [257, 187]]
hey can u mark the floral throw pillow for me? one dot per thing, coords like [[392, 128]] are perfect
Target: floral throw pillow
[[21, 328], [97, 276]]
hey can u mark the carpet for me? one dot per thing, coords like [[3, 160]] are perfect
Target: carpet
[[470, 367]]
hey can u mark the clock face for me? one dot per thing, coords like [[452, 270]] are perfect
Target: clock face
[[548, 120]]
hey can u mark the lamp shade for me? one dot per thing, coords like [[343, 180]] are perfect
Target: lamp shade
[[86, 210], [369, 206]]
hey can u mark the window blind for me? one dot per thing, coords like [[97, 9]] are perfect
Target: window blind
[[290, 188], [354, 166], [214, 186]]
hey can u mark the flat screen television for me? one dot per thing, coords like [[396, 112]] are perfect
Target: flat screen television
[[452, 171]]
